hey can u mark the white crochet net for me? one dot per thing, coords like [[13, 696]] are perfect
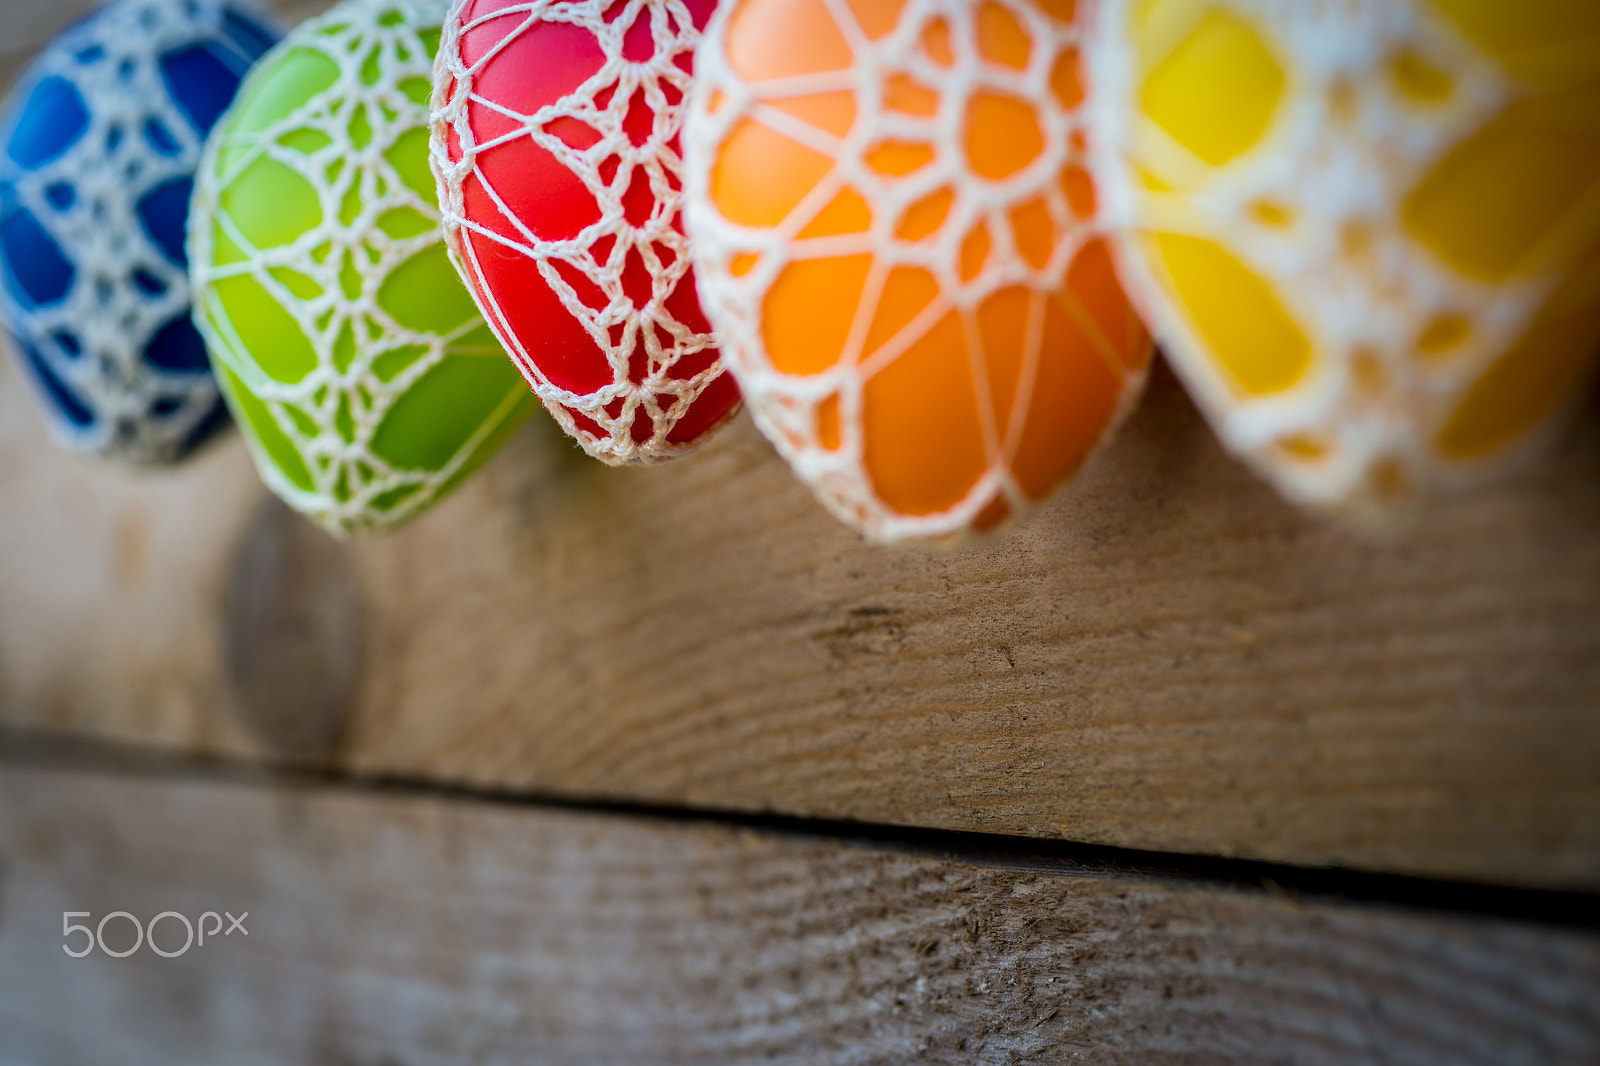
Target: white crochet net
[[331, 416], [1316, 209], [93, 340], [663, 385], [738, 265]]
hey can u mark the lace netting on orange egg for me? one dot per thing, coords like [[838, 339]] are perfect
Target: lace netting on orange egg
[[555, 143], [900, 248]]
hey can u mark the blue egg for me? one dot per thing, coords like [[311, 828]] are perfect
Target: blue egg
[[101, 137]]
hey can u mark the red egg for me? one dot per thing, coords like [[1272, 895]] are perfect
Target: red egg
[[555, 142]]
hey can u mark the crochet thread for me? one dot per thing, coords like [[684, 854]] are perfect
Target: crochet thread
[[1366, 233], [555, 143], [902, 253], [102, 136], [369, 384]]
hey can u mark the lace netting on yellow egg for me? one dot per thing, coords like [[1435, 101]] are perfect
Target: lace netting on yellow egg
[[1368, 233], [561, 208], [368, 382], [901, 250]]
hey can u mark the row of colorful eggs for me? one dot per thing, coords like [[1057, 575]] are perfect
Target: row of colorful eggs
[[1368, 236]]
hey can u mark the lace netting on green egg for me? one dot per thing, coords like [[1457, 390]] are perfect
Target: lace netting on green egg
[[368, 383]]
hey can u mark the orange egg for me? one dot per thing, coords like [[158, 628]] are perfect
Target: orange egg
[[898, 244]]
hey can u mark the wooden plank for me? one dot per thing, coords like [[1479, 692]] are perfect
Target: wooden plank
[[30, 24], [390, 929], [1166, 657]]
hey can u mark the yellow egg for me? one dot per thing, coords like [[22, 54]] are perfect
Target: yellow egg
[[901, 250], [1367, 234]]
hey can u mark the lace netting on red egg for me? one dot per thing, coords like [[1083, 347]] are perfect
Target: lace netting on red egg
[[555, 142]]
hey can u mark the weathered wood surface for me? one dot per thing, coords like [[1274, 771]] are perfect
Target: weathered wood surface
[[1166, 657], [405, 930], [30, 24]]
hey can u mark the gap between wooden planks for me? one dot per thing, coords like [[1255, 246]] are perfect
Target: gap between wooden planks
[[1166, 657], [418, 930]]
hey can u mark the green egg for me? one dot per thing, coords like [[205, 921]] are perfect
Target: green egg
[[352, 356]]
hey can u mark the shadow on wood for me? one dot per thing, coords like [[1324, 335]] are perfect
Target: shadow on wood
[[293, 633]]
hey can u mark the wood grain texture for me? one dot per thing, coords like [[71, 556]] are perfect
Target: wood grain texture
[[414, 930], [30, 24], [292, 615], [1165, 657]]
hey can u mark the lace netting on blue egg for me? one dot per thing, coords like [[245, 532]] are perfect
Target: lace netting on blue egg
[[100, 140]]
